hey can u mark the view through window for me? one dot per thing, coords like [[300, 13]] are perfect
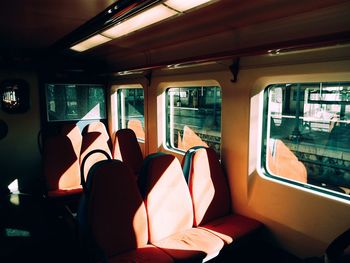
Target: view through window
[[194, 117], [66, 102], [131, 110], [307, 138]]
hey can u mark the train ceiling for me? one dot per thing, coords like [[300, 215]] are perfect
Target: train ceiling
[[38, 30]]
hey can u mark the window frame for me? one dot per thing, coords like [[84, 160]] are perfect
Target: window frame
[[265, 137]]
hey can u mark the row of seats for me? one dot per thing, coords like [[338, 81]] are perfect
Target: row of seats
[[171, 213], [64, 153]]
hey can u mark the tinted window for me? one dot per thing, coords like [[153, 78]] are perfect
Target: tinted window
[[75, 102], [131, 110], [307, 135], [193, 117]]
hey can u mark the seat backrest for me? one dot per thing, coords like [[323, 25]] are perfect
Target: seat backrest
[[127, 149], [166, 195], [207, 184], [72, 131], [101, 128], [61, 163], [95, 137], [115, 211]]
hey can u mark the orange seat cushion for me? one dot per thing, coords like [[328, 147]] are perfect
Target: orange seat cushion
[[232, 227], [191, 244]]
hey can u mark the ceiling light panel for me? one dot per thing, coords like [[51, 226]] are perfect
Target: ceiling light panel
[[184, 5], [90, 43], [140, 20]]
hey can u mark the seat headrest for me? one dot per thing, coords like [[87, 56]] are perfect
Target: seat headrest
[[115, 210], [127, 149]]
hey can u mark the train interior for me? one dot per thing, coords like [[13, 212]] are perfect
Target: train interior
[[175, 131]]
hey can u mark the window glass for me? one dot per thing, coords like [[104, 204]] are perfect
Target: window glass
[[75, 102], [307, 142], [193, 117], [131, 110]]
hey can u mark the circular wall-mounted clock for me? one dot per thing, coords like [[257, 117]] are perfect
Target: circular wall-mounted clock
[[14, 95]]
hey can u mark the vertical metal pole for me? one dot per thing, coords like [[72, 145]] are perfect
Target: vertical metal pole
[[214, 108], [296, 133], [122, 108], [171, 117]]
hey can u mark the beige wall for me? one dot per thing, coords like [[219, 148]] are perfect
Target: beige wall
[[301, 221], [19, 155]]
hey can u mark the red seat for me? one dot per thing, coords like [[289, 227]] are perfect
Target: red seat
[[117, 216], [211, 197], [170, 212], [127, 149], [72, 131], [95, 137], [101, 128], [61, 167]]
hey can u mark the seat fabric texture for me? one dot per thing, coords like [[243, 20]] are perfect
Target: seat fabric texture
[[211, 197], [61, 167], [72, 131], [117, 216], [95, 137], [101, 128], [170, 212], [127, 149]]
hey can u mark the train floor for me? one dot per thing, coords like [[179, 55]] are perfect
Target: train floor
[[31, 232]]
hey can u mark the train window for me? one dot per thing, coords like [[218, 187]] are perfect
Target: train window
[[307, 135], [130, 103], [193, 117], [66, 102]]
